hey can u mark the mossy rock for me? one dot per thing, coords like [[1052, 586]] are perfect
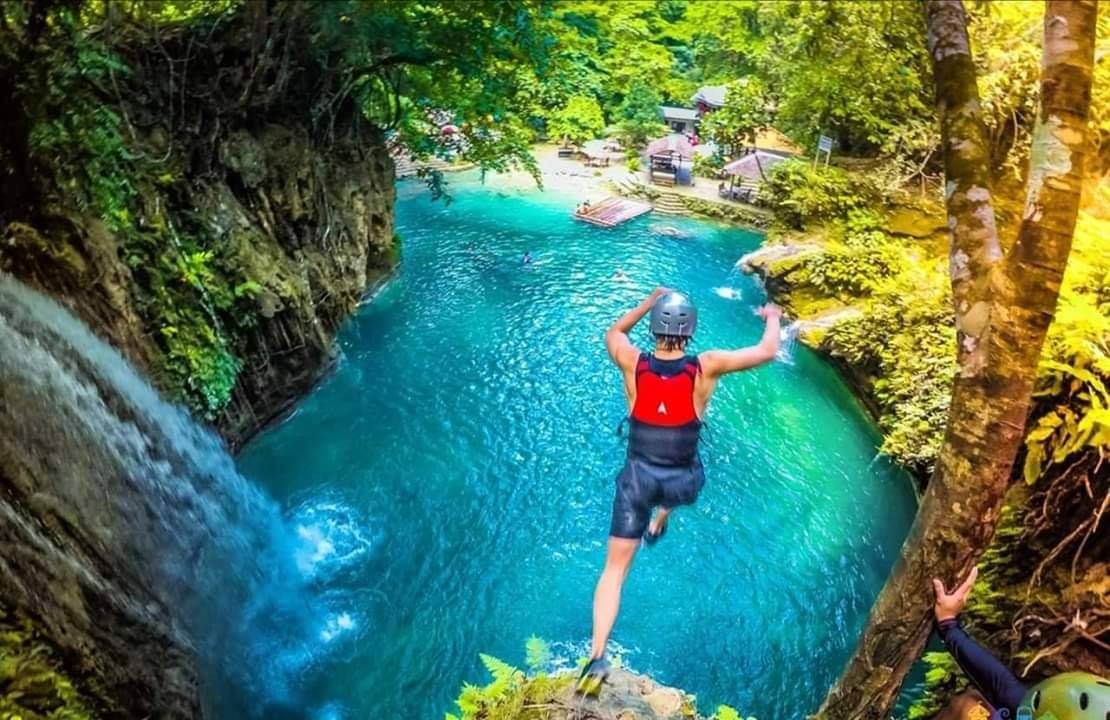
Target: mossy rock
[[741, 214], [814, 329], [34, 685], [777, 261], [28, 241], [913, 222]]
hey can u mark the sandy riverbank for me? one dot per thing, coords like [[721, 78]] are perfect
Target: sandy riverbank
[[594, 183]]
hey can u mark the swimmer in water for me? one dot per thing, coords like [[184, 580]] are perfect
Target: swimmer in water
[[668, 230], [619, 274], [527, 259]]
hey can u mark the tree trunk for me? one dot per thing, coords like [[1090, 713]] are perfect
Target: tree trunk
[[1003, 308]]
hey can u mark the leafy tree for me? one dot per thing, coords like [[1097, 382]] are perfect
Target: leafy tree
[[622, 44], [856, 70], [1003, 306], [578, 121], [747, 110], [640, 117]]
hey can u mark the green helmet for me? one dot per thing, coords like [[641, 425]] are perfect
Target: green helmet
[[1068, 696]]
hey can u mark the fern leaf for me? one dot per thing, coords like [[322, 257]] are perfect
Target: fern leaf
[[537, 653]]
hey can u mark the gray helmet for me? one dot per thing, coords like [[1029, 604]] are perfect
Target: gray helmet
[[673, 314]]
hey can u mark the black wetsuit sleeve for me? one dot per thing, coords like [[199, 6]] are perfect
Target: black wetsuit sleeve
[[999, 686]]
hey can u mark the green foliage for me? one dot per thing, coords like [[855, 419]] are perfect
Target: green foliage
[[943, 678], [537, 653], [1073, 410], [194, 295], [415, 66], [77, 137], [185, 290], [857, 265], [1001, 569], [633, 163], [800, 194], [708, 166], [640, 117], [578, 121], [905, 339], [724, 712], [1007, 42], [511, 694], [747, 110], [854, 70], [33, 683], [618, 45]]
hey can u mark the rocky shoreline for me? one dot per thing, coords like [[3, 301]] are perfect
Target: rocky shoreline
[[775, 265]]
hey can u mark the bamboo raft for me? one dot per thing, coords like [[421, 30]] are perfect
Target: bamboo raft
[[613, 211]]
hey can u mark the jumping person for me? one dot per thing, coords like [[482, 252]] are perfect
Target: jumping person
[[1000, 694], [667, 392]]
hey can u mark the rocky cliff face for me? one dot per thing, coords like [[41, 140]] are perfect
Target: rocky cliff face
[[780, 268], [217, 237], [315, 231], [309, 230]]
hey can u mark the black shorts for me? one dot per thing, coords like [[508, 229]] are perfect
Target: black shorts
[[642, 486]]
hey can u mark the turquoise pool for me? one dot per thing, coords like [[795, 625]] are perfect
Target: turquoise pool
[[451, 482]]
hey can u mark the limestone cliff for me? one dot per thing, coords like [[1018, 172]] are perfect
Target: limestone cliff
[[217, 229], [310, 229]]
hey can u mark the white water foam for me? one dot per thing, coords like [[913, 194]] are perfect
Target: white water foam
[[788, 341], [330, 536], [247, 588], [728, 293]]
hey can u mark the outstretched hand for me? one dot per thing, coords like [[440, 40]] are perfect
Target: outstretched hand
[[658, 293], [768, 311], [950, 604]]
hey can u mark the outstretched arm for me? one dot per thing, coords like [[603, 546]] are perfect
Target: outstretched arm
[[621, 350], [999, 686], [721, 362]]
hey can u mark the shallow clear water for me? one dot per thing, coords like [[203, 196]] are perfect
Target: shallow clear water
[[452, 480]]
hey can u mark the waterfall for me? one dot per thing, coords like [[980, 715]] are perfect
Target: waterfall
[[788, 341], [126, 527]]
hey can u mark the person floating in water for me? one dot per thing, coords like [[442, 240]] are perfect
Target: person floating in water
[[527, 259], [619, 274], [1000, 694], [668, 230], [667, 392]]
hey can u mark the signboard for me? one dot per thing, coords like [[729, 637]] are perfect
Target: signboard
[[824, 145]]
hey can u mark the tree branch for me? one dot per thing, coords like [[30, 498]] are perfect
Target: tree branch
[[1003, 310], [965, 149]]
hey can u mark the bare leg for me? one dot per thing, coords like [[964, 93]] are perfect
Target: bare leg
[[607, 596], [659, 520]]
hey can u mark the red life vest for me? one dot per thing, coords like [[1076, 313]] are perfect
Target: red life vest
[[665, 400]]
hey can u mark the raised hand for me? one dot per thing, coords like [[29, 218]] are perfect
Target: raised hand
[[768, 311], [950, 604], [658, 293]]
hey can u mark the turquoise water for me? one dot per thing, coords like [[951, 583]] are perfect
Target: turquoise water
[[452, 480]]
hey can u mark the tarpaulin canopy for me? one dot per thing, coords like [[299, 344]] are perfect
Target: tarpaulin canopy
[[676, 145], [753, 165]]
